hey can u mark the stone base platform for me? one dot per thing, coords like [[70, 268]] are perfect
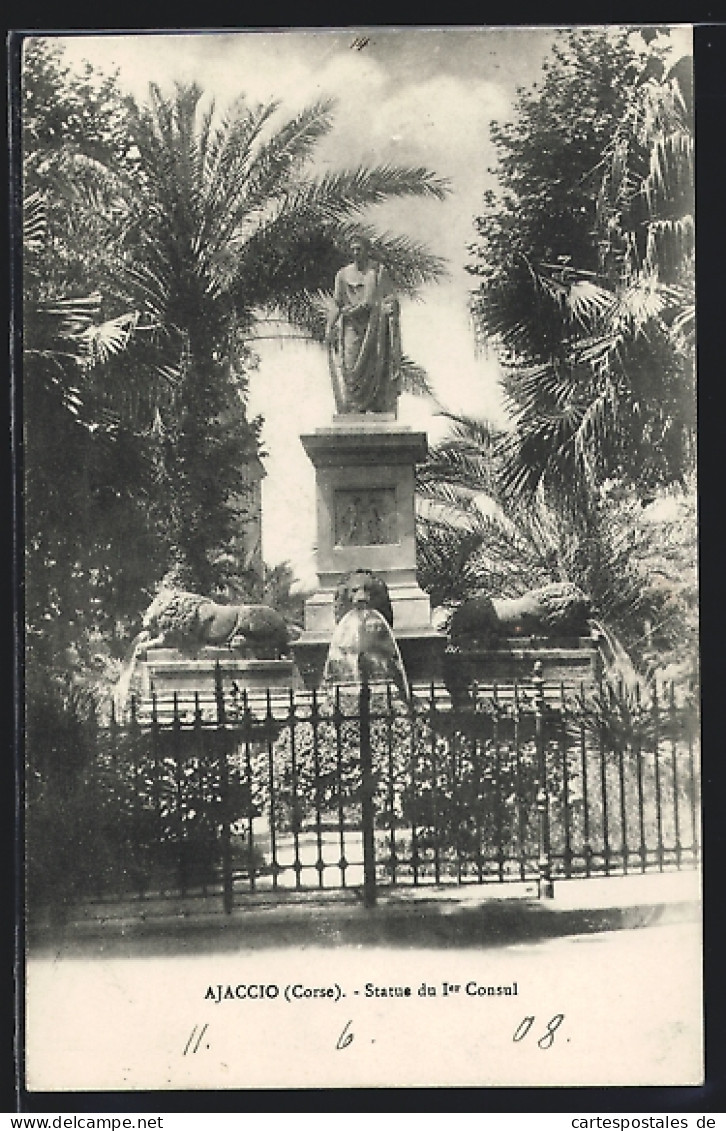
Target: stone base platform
[[166, 671], [426, 658], [569, 661], [365, 515]]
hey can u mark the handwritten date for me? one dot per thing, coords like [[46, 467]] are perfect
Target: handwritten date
[[548, 1037]]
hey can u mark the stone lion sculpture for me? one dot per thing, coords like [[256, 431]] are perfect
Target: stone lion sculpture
[[183, 620], [363, 589], [559, 609], [189, 622]]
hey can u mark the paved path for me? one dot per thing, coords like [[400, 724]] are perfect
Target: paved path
[[472, 915]]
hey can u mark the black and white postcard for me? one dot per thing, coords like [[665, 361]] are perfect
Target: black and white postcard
[[361, 608]]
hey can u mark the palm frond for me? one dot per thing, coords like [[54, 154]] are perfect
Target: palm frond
[[684, 322], [477, 432], [454, 502], [671, 168], [106, 339], [291, 145], [670, 244], [457, 464], [492, 557], [256, 184], [409, 262], [61, 324], [35, 223], [640, 302], [414, 378], [351, 190], [225, 173], [265, 276], [232, 140], [588, 303], [149, 284], [597, 432]]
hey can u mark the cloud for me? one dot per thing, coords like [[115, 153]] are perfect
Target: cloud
[[442, 122], [442, 115]]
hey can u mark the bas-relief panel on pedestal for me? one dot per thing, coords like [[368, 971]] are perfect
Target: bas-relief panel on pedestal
[[365, 517]]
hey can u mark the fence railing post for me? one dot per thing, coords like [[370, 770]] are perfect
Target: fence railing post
[[367, 796], [546, 888], [226, 833]]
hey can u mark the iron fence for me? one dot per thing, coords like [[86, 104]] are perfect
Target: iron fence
[[283, 792]]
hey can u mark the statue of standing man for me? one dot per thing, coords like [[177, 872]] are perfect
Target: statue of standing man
[[364, 337]]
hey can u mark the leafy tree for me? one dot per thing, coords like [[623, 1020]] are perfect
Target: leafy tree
[[81, 110], [585, 258], [75, 153], [549, 169], [87, 475]]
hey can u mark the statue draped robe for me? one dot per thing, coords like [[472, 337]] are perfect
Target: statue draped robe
[[365, 348]]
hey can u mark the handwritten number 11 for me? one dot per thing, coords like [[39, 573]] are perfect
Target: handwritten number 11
[[547, 1039], [192, 1045]]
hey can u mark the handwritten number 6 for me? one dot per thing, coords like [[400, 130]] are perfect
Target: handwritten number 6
[[547, 1039]]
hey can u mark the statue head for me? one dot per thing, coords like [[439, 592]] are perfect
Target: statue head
[[360, 247]]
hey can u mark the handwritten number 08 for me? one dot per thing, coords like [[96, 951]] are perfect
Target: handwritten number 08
[[547, 1039]]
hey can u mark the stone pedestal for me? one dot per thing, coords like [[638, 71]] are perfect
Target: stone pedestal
[[365, 480], [569, 662], [166, 672]]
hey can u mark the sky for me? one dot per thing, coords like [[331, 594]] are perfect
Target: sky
[[412, 96]]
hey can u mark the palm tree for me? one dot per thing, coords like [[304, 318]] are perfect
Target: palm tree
[[233, 227], [229, 228], [475, 537]]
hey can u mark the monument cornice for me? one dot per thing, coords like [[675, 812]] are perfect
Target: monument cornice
[[368, 442]]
